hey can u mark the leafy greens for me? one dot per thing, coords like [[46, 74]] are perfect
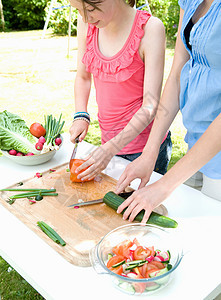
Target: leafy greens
[[15, 134]]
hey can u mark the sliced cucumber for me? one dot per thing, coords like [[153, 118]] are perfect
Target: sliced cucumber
[[158, 272]]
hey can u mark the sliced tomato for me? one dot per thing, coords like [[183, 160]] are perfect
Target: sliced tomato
[[123, 249], [135, 242], [152, 251], [151, 271], [138, 286], [158, 264], [151, 266], [141, 253], [115, 260], [143, 271]]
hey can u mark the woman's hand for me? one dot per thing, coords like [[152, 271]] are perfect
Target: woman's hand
[[146, 198], [142, 168], [97, 161], [78, 128]]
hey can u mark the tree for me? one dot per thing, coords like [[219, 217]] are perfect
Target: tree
[[2, 16]]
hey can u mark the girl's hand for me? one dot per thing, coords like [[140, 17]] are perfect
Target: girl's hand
[[79, 127], [146, 198], [140, 168], [97, 161]]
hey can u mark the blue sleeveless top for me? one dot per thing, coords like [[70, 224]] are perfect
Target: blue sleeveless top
[[200, 80]]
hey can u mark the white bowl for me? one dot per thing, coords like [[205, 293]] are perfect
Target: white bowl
[[31, 160]]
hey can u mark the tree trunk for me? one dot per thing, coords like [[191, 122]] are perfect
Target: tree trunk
[[2, 16]]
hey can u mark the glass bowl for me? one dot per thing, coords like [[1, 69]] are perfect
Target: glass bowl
[[147, 235]]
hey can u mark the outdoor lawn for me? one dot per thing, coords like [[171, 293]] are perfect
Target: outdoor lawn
[[37, 78]]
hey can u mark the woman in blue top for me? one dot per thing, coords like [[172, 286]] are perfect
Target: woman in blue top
[[194, 87]]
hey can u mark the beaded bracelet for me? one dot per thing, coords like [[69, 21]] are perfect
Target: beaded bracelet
[[81, 118], [82, 114]]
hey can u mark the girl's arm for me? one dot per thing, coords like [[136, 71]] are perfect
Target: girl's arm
[[82, 84], [168, 107], [152, 50], [151, 196]]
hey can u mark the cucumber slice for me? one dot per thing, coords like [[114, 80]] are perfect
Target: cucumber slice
[[158, 273], [118, 264]]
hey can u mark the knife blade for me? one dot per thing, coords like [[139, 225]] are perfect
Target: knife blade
[[75, 149], [124, 195], [87, 203]]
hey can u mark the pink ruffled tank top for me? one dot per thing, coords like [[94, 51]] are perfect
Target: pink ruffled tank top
[[119, 84]]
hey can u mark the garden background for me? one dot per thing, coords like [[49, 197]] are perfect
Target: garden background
[[37, 76]]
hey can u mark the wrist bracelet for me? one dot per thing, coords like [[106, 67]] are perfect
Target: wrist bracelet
[[82, 114], [82, 118]]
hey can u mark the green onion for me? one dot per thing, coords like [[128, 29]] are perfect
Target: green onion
[[27, 190], [51, 233], [25, 195], [53, 128]]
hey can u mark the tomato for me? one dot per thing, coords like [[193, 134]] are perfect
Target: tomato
[[151, 266], [141, 253], [123, 248], [158, 264], [74, 164], [152, 251], [138, 286], [37, 130], [115, 260]]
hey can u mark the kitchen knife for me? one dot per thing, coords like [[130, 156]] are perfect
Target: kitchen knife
[[76, 141], [124, 195]]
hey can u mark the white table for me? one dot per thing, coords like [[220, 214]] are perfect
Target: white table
[[55, 278]]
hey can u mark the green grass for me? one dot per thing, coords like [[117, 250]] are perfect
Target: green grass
[[37, 79]]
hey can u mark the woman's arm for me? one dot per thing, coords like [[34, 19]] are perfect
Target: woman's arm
[[151, 196], [82, 84], [152, 51], [168, 107]]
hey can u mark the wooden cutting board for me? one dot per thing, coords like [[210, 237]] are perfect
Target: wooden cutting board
[[81, 228]]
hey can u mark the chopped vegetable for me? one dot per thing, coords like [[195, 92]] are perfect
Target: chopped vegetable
[[51, 233], [129, 257]]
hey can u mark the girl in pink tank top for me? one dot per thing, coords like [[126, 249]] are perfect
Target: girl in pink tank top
[[123, 49]]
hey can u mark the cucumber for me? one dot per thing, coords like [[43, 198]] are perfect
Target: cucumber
[[113, 200]]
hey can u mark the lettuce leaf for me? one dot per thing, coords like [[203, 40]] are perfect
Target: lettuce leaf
[[15, 134]]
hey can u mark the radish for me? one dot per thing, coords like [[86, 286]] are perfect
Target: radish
[[29, 154], [58, 141], [19, 154], [12, 152], [39, 146], [42, 140]]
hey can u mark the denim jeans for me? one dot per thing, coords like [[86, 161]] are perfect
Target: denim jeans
[[163, 156]]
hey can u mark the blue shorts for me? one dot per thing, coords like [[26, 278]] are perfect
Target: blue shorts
[[163, 156]]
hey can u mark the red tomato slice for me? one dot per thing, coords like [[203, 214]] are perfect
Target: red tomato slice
[[123, 248], [141, 253], [143, 271], [158, 264], [139, 286], [152, 251], [115, 260], [151, 266]]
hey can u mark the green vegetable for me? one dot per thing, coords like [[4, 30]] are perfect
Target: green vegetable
[[113, 200], [15, 134], [118, 264], [53, 129], [51, 233]]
